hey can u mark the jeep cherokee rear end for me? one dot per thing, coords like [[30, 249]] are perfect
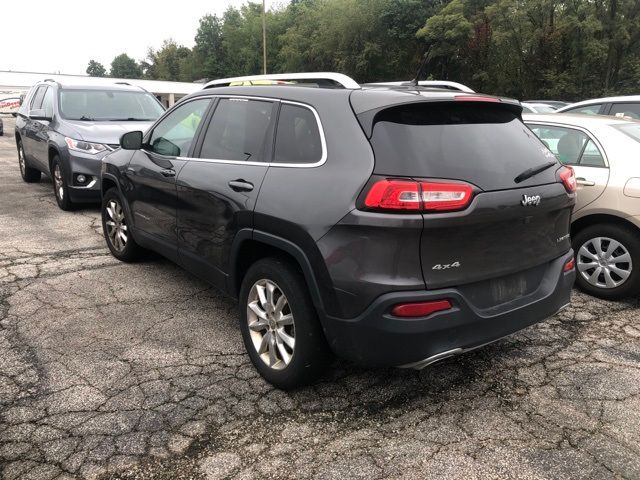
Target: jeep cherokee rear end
[[459, 237]]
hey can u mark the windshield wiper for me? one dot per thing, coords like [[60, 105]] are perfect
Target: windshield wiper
[[534, 171], [130, 119], [85, 118]]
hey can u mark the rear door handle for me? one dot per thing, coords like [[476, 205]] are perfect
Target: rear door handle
[[240, 185], [584, 182], [168, 172]]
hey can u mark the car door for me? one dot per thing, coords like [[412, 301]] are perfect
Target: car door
[[153, 170], [217, 190], [29, 139], [579, 149], [41, 129]]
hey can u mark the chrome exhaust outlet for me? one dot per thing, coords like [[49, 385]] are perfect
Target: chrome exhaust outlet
[[420, 364]]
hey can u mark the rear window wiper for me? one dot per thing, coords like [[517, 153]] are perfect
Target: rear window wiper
[[534, 171]]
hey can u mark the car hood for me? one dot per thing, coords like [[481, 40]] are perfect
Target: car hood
[[106, 132]]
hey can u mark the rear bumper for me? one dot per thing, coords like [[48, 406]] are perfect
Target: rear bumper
[[378, 338]]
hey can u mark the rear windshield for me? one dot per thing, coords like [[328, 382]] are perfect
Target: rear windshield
[[630, 130], [103, 105], [484, 144]]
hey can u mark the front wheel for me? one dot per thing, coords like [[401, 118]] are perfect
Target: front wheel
[[280, 326], [60, 187], [608, 261], [116, 228]]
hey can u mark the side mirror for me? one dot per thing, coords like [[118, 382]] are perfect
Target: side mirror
[[39, 114], [131, 140]]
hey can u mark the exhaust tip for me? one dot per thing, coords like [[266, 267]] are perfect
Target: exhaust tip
[[420, 364]]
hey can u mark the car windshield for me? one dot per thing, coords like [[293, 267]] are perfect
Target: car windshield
[[544, 109], [630, 129], [109, 105]]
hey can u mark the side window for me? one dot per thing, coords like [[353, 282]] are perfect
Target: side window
[[631, 110], [36, 102], [297, 136], [238, 130], [173, 135], [587, 109], [47, 102], [570, 146]]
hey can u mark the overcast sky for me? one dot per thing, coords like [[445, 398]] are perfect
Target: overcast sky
[[62, 36]]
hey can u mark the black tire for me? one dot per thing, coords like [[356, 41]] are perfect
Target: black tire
[[310, 356], [129, 250], [60, 186], [629, 241], [29, 174]]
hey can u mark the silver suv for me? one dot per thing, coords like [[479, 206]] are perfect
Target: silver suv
[[604, 153]]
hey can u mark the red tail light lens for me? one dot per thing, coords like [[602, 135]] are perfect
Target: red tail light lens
[[421, 309], [568, 177], [570, 265], [418, 196], [475, 98]]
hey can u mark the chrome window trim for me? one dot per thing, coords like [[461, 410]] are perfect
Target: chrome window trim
[[583, 130], [323, 141]]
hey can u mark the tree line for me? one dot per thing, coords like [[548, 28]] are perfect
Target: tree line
[[555, 49]]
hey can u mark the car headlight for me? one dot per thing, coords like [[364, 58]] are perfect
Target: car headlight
[[85, 147]]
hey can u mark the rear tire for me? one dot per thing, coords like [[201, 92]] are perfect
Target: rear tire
[[608, 261], [60, 187], [280, 326], [116, 227], [29, 174]]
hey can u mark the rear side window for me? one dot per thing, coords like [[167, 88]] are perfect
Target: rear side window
[[629, 110], [478, 142], [587, 109], [238, 130], [298, 138], [47, 103], [570, 146], [36, 102]]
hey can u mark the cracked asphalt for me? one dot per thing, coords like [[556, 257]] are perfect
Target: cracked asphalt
[[115, 371]]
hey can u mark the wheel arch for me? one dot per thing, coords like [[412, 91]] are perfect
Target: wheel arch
[[52, 151], [600, 218], [250, 246]]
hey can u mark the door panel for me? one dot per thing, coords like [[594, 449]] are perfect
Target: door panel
[[153, 172], [591, 184], [217, 192], [30, 139]]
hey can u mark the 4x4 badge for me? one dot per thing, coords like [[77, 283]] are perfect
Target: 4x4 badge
[[527, 200]]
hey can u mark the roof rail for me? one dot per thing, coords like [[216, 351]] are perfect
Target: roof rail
[[338, 79], [131, 85], [51, 80]]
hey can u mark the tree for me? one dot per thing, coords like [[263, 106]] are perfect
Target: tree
[[208, 52], [170, 62], [123, 66], [96, 69]]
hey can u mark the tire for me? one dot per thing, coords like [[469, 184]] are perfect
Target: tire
[[28, 174], [115, 226], [298, 320], [619, 264], [60, 186]]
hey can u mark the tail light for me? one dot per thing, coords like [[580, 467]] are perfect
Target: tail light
[[568, 177], [411, 196], [475, 98], [421, 309]]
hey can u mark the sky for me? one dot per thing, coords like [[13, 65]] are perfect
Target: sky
[[61, 36]]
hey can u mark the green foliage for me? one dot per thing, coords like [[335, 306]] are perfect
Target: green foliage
[[96, 69], [564, 49], [123, 66]]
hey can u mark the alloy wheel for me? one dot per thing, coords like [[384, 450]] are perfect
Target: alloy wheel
[[604, 262], [58, 182], [21, 160], [116, 225], [271, 324]]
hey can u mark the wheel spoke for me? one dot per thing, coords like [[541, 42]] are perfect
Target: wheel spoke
[[286, 338], [270, 290], [264, 343], [624, 274], [582, 266], [261, 296], [608, 280], [593, 278], [258, 325], [597, 244], [286, 357], [585, 252], [280, 304], [255, 308], [285, 320], [110, 211], [273, 357], [613, 245], [623, 258], [123, 236]]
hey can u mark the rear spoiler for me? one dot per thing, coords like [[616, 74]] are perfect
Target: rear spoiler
[[367, 119]]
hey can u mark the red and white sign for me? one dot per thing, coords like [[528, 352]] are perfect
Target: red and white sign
[[9, 105]]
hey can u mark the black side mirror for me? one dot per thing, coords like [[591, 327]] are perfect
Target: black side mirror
[[131, 140], [39, 114]]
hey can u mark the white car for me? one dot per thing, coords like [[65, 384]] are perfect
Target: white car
[[625, 107], [528, 107], [605, 226]]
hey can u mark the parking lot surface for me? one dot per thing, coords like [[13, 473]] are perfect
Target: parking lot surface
[[111, 370]]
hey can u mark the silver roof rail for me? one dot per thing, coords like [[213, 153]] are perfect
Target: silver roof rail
[[339, 79], [131, 85]]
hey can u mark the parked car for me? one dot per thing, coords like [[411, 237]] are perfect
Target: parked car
[[65, 130], [554, 103], [387, 227], [605, 229], [627, 106], [528, 107]]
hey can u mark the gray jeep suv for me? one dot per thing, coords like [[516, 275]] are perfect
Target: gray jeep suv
[[65, 130]]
